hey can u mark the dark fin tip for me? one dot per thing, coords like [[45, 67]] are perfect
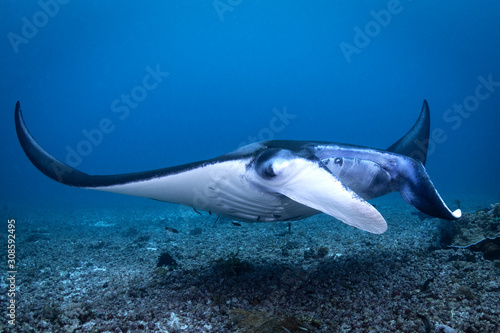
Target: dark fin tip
[[416, 141], [42, 160]]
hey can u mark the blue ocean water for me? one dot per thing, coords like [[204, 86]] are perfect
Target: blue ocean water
[[127, 86]]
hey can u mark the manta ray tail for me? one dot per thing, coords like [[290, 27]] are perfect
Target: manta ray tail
[[415, 143]]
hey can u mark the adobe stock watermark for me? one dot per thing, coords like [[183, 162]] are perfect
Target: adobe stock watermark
[[277, 123], [223, 6], [455, 115], [121, 107], [30, 27], [364, 36]]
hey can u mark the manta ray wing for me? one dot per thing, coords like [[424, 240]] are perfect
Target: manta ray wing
[[416, 141]]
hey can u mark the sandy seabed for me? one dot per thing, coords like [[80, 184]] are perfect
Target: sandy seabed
[[96, 270]]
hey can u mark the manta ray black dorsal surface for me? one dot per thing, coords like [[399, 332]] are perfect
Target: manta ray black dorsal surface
[[280, 180], [416, 142]]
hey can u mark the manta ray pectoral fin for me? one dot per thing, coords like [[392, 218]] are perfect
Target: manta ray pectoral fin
[[417, 190], [45, 162], [308, 182], [415, 143]]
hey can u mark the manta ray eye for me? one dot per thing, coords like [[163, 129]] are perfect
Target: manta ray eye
[[338, 161]]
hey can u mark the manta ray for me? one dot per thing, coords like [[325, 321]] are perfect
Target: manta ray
[[277, 180]]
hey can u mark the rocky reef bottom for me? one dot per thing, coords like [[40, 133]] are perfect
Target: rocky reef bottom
[[164, 268]]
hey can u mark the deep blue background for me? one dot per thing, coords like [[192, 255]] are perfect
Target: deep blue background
[[226, 76]]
